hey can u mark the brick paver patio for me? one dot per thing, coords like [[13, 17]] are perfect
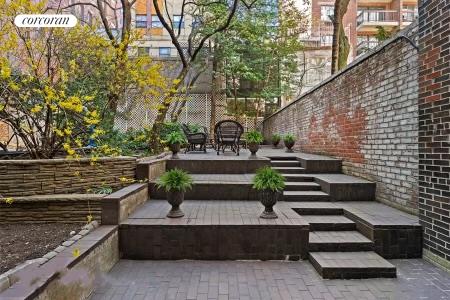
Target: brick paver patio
[[417, 279]]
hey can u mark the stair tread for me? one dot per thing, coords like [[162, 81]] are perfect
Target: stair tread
[[305, 193], [329, 237], [327, 219], [285, 161], [288, 168], [350, 260], [301, 183]]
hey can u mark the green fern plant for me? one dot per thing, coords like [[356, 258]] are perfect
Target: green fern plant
[[267, 178], [254, 137], [175, 180]]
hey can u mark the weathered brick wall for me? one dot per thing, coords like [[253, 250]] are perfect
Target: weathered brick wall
[[4, 133], [62, 176], [434, 125], [366, 115]]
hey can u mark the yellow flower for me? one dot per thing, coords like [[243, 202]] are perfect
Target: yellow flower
[[89, 218], [37, 108], [9, 200], [67, 131], [2, 107], [5, 72], [123, 179], [76, 173], [76, 252], [58, 132]]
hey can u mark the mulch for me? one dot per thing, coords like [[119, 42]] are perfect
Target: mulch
[[20, 242]]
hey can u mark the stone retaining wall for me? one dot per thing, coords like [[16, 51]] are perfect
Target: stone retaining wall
[[52, 208], [367, 116], [62, 176]]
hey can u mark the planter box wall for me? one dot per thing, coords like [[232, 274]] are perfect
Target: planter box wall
[[62, 176]]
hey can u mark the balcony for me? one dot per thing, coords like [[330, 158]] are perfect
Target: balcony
[[374, 18]]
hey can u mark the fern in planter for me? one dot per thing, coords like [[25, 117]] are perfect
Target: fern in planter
[[175, 139], [276, 138], [253, 139], [289, 141], [269, 183], [176, 182]]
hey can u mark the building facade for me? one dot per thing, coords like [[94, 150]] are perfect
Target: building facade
[[367, 23]]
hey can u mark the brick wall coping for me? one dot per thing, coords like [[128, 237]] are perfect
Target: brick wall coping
[[401, 35], [56, 161], [32, 280], [58, 197]]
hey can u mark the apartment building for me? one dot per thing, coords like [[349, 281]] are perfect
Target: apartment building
[[362, 24]]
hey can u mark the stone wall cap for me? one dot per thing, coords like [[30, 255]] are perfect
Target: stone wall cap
[[63, 160], [125, 192], [58, 197]]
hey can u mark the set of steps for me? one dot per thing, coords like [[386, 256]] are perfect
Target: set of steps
[[338, 250], [299, 187]]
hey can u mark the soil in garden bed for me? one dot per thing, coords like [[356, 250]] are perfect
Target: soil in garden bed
[[20, 242]]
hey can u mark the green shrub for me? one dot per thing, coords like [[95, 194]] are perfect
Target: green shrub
[[195, 128], [175, 180], [267, 178], [169, 127], [132, 142], [289, 138], [175, 137], [254, 137], [276, 138]]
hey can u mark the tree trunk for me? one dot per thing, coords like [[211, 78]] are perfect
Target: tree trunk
[[154, 143], [335, 45], [344, 48], [339, 43]]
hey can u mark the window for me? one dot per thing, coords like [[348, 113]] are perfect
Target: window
[[141, 21], [156, 23], [143, 51], [164, 52], [326, 40], [326, 13], [176, 22]]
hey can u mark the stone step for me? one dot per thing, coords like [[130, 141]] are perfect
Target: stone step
[[311, 210], [343, 241], [298, 177], [274, 157], [301, 186], [329, 223], [285, 163], [351, 265], [305, 196], [289, 170]]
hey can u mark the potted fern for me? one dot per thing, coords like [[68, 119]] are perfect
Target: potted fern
[[253, 138], [175, 182], [175, 139], [289, 141], [269, 183], [276, 138]]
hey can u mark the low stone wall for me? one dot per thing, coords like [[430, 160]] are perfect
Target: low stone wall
[[150, 168], [62, 176], [366, 115], [72, 208], [118, 206], [68, 276]]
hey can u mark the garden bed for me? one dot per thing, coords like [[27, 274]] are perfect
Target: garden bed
[[21, 242]]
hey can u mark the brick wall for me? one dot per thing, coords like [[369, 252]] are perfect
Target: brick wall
[[366, 115], [62, 176], [434, 125], [4, 133]]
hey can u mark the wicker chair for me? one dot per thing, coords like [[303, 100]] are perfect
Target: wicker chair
[[228, 133], [195, 138]]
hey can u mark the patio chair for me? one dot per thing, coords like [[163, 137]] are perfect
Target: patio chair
[[195, 138], [228, 133]]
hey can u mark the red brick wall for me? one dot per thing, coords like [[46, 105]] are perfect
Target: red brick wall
[[366, 115], [434, 125]]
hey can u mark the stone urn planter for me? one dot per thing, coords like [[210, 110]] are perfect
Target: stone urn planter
[[175, 148], [269, 183], [289, 146], [268, 198], [289, 141], [253, 138], [175, 198], [175, 139], [175, 182], [253, 147], [276, 138]]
